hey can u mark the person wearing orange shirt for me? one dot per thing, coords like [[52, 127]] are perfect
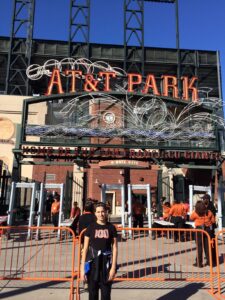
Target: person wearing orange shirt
[[166, 211], [177, 215], [187, 208], [204, 219], [55, 210]]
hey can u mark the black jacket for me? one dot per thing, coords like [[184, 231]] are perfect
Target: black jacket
[[101, 261]]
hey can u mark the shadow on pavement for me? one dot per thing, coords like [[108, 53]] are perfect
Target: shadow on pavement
[[22, 290], [183, 293]]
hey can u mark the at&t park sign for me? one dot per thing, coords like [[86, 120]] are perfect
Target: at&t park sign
[[106, 106], [83, 75]]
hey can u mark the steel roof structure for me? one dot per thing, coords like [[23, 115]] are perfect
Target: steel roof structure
[[17, 54], [200, 63], [20, 52]]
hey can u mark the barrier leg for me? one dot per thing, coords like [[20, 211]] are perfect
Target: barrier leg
[[78, 290]]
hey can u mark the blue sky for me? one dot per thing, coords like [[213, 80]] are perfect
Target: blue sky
[[202, 23]]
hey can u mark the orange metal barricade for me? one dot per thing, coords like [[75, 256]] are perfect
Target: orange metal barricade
[[50, 257], [220, 256], [141, 258]]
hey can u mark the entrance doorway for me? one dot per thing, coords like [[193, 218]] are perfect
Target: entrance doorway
[[35, 194], [106, 193], [197, 188], [138, 187], [131, 187], [46, 187], [110, 199]]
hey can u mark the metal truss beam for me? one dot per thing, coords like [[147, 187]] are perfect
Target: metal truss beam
[[134, 54], [134, 36], [79, 29], [19, 58]]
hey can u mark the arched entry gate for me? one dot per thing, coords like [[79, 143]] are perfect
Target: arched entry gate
[[101, 122]]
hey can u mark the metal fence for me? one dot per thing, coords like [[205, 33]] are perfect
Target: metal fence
[[220, 256], [143, 259], [48, 258], [145, 255]]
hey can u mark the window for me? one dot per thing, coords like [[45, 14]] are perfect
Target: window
[[50, 177]]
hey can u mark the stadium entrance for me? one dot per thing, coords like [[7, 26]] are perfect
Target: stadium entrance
[[110, 132]]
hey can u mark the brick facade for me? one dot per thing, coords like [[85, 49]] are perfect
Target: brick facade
[[98, 176], [41, 172]]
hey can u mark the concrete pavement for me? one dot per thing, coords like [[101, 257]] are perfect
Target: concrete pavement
[[121, 291]]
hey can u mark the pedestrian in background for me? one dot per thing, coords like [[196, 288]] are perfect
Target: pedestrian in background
[[208, 203], [204, 220], [48, 205], [210, 206], [138, 211], [126, 213], [154, 209], [108, 209], [86, 218], [75, 215], [55, 208], [160, 207], [177, 216], [166, 211]]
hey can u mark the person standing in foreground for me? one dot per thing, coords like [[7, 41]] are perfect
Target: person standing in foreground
[[204, 219], [99, 259]]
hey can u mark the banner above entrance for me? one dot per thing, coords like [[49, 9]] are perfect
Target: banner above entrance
[[124, 163], [120, 156]]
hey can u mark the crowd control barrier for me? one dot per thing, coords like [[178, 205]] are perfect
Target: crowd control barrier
[[220, 256], [144, 255], [153, 255], [48, 258]]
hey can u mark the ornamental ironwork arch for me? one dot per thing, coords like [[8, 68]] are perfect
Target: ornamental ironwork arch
[[118, 118], [121, 119]]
